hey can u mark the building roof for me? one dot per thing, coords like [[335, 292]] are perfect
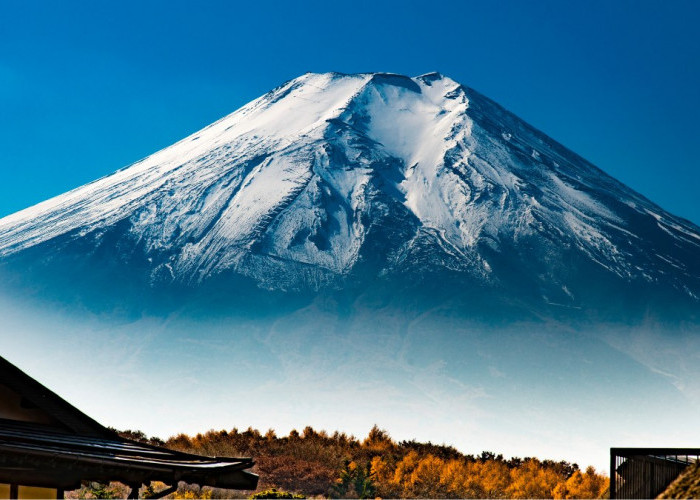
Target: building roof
[[60, 413], [59, 446], [647, 472]]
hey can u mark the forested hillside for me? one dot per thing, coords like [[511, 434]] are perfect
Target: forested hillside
[[318, 464]]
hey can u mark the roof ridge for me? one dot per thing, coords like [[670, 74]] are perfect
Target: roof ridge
[[50, 402]]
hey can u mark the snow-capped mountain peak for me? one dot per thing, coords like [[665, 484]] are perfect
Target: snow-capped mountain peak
[[333, 177]]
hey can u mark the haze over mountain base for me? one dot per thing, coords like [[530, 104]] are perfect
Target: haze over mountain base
[[525, 389]]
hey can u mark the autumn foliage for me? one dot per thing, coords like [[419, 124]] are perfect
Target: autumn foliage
[[336, 465]]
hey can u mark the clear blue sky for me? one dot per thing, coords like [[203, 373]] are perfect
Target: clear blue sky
[[86, 88]]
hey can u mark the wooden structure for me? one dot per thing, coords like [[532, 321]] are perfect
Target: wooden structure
[[647, 472], [48, 446]]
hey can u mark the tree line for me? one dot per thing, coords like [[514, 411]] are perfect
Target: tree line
[[319, 464]]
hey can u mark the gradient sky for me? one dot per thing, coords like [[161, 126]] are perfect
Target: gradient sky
[[86, 88]]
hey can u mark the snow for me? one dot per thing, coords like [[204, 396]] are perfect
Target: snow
[[291, 177]]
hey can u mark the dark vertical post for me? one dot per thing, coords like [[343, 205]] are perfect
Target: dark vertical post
[[60, 493], [134, 493], [612, 473], [14, 490]]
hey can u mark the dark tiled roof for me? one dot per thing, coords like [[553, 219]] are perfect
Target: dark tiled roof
[[66, 414], [79, 448]]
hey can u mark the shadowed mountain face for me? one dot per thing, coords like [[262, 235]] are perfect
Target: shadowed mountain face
[[413, 193]]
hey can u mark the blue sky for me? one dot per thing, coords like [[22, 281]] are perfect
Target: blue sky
[[89, 87], [86, 88]]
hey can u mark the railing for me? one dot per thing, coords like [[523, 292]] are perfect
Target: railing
[[647, 472]]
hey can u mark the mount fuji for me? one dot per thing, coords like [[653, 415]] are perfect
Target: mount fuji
[[349, 250], [417, 189]]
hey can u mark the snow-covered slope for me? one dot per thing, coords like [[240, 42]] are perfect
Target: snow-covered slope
[[333, 179]]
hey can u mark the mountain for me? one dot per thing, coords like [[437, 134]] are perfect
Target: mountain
[[395, 190], [349, 250]]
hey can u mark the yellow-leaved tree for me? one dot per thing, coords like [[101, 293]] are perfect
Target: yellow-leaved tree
[[588, 485]]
